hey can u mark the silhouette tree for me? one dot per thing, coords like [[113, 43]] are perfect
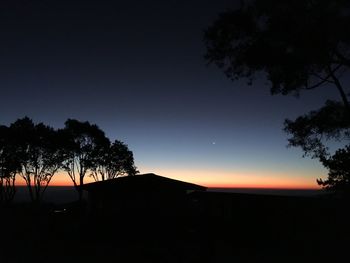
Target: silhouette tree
[[84, 144], [37, 147], [339, 171], [313, 130], [116, 160], [299, 45], [9, 166]]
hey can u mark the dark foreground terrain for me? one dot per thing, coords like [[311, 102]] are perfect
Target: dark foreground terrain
[[215, 227]]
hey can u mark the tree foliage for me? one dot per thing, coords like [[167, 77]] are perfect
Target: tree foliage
[[85, 145], [298, 45], [37, 147], [283, 39], [116, 160], [9, 166], [339, 171], [312, 131], [36, 152]]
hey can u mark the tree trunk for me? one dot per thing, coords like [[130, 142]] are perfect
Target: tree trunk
[[2, 190], [80, 191], [30, 190]]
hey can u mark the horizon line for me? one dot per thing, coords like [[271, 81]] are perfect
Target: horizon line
[[221, 187]]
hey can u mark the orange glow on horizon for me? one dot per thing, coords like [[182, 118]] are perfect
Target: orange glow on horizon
[[242, 179], [267, 186], [59, 179], [216, 179]]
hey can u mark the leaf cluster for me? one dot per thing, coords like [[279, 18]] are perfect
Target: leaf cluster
[[311, 131], [296, 43], [339, 171]]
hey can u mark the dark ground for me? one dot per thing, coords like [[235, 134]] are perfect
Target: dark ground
[[218, 227]]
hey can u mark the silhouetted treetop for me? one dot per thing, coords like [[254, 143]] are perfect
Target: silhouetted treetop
[[9, 165], [38, 149], [85, 142], [298, 44], [311, 131], [339, 171], [116, 160]]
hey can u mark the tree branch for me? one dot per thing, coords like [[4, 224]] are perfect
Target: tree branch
[[343, 59], [324, 79], [340, 88]]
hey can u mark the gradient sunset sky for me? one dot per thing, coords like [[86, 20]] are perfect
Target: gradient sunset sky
[[136, 69]]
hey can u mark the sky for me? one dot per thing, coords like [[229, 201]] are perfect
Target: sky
[[137, 70]]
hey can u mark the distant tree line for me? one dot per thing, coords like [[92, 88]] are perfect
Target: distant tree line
[[36, 152]]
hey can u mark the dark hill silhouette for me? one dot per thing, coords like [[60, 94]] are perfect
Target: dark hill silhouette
[[149, 181], [149, 196]]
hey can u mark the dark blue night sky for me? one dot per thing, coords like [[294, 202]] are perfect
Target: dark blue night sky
[[136, 69]]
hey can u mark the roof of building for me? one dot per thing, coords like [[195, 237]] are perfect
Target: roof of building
[[142, 181]]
